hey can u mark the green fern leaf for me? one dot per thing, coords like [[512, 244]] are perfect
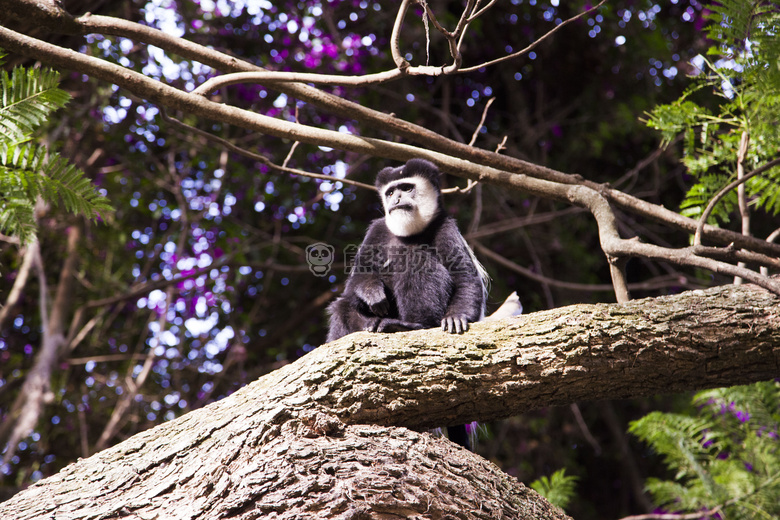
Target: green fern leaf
[[27, 98], [558, 489], [30, 173], [17, 217]]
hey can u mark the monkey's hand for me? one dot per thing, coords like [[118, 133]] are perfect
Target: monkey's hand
[[455, 324], [374, 296]]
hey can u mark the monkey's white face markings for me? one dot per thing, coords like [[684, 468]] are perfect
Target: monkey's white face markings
[[410, 205]]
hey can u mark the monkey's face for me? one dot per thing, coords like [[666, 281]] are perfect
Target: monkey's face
[[410, 205]]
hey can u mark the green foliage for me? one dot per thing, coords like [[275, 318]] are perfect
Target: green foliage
[[741, 71], [725, 457], [28, 171], [558, 488]]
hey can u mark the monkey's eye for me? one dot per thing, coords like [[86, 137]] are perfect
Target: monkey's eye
[[407, 187]]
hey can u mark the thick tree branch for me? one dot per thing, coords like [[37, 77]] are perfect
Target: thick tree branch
[[305, 429], [699, 339]]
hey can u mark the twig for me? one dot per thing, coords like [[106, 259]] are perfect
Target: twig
[[472, 183], [10, 240], [294, 145], [482, 11], [502, 145], [503, 226], [454, 38], [20, 281], [771, 481], [644, 163], [676, 516], [723, 192], [258, 157], [535, 43], [654, 283], [481, 121], [744, 211], [575, 409], [771, 238], [426, 17]]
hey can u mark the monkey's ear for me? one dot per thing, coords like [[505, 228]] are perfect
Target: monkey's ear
[[423, 168], [384, 176], [420, 165]]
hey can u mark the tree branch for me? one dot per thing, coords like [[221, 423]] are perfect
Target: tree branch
[[22, 274], [536, 42], [36, 391], [388, 123], [740, 181], [581, 195]]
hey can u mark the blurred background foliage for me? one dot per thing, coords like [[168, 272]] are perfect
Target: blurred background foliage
[[143, 349]]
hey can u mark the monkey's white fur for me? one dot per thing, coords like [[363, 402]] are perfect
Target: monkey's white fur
[[404, 222]]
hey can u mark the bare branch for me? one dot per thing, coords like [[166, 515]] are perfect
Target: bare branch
[[403, 65], [261, 158], [387, 122], [273, 78], [654, 283], [36, 391], [723, 192], [482, 11], [395, 37], [582, 194], [22, 275]]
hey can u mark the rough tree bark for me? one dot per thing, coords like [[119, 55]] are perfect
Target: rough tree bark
[[333, 434]]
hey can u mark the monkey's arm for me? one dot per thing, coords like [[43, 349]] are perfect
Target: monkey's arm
[[364, 280], [371, 291], [467, 302]]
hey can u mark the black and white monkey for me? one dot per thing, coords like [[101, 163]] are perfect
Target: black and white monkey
[[414, 269]]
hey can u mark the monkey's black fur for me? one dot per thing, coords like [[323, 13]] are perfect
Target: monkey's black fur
[[415, 281], [409, 282]]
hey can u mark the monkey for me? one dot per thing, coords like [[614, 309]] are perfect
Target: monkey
[[414, 269]]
